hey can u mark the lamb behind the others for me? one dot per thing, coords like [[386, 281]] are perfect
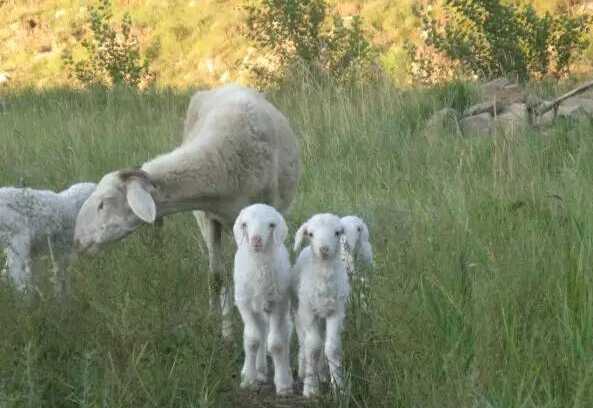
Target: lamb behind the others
[[39, 222]]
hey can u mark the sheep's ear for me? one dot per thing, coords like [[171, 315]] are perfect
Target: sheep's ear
[[281, 231], [298, 238], [140, 200], [238, 230]]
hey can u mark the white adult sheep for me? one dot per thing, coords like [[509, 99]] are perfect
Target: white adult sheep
[[237, 149], [322, 290], [262, 283], [38, 222]]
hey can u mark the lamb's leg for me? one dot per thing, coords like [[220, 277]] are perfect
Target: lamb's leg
[[313, 344], [278, 342], [253, 340], [60, 269], [261, 363], [301, 340], [220, 296], [20, 265], [333, 348]]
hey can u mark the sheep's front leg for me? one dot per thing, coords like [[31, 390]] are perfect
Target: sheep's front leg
[[313, 343], [278, 343], [20, 265], [220, 296], [333, 348], [253, 339]]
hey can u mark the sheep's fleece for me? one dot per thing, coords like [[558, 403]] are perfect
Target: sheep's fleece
[[32, 220]]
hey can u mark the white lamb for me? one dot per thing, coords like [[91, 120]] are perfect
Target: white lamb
[[38, 222], [322, 289], [262, 283], [356, 249]]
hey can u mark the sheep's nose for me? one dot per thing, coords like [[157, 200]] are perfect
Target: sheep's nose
[[257, 241], [324, 250]]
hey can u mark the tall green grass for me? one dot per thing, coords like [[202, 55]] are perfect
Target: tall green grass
[[482, 292]]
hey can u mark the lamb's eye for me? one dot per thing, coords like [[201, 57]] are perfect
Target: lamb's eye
[[100, 205], [358, 228], [272, 225], [244, 225], [338, 233], [310, 235]]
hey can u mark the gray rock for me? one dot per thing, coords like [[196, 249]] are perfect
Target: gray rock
[[513, 118], [481, 124]]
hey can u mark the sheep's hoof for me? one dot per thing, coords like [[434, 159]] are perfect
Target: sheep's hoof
[[310, 391], [249, 384], [284, 391]]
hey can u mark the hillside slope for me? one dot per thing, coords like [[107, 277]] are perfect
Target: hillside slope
[[192, 41]]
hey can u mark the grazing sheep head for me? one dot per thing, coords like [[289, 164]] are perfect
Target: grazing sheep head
[[121, 202], [356, 238], [261, 227], [324, 232]]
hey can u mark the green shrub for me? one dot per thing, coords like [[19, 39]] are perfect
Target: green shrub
[[299, 32], [113, 55], [489, 38]]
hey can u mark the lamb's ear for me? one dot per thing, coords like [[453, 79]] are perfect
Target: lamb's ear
[[238, 230], [281, 231], [298, 238], [140, 200], [366, 250]]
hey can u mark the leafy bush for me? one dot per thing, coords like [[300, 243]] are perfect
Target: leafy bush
[[113, 55], [489, 39], [300, 32]]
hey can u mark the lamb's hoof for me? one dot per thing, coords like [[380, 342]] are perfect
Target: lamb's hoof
[[251, 384], [284, 390], [310, 391]]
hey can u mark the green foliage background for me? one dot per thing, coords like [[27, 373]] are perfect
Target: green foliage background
[[193, 42]]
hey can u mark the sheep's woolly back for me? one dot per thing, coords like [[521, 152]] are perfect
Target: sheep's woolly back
[[240, 145]]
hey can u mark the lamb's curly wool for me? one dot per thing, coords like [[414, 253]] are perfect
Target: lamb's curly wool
[[237, 149], [262, 281], [322, 289], [38, 222]]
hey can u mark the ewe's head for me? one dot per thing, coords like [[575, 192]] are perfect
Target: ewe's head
[[356, 238], [260, 227], [324, 232], [121, 202]]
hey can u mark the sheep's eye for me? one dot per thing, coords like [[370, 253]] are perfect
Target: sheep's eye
[[338, 233], [272, 225], [358, 228], [244, 225], [101, 205], [310, 235]]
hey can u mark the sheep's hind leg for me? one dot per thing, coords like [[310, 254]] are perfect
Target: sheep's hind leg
[[220, 296]]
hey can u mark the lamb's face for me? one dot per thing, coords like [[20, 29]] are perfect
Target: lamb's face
[[356, 237], [324, 232], [260, 227], [120, 203]]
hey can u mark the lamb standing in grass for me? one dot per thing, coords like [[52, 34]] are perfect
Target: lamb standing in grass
[[262, 282], [356, 249], [38, 222], [237, 149], [322, 289]]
